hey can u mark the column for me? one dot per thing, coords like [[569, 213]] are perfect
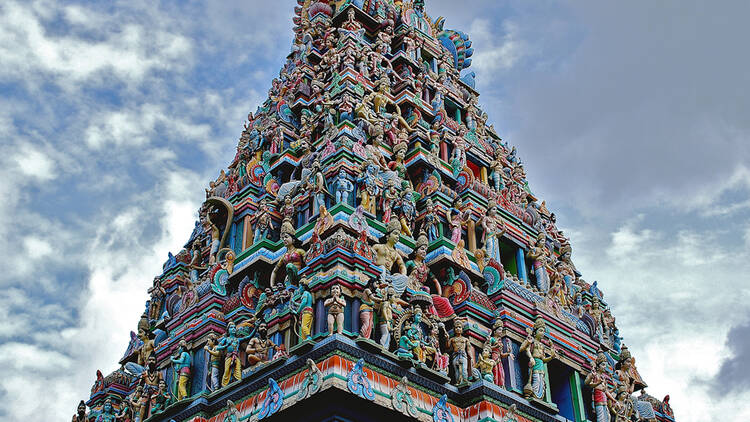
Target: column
[[576, 391], [483, 174], [521, 265]]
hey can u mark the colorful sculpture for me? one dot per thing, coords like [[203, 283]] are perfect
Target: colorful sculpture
[[335, 305], [539, 355], [371, 109]]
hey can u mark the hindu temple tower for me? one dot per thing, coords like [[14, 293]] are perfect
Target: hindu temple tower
[[373, 252]]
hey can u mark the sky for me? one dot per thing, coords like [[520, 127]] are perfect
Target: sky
[[631, 119]]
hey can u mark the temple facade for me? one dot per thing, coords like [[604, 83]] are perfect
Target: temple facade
[[374, 252]]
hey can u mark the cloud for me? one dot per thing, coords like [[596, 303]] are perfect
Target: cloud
[[125, 50], [732, 379], [499, 52]]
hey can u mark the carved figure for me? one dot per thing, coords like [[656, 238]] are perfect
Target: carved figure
[[458, 345], [182, 363], [538, 355], [335, 304]]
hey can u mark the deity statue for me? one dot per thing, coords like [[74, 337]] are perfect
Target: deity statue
[[439, 360], [597, 381], [150, 378], [625, 370], [263, 224], [430, 222], [407, 212], [162, 399], [81, 415], [302, 306], [408, 345], [538, 355], [214, 362], [495, 344], [390, 302], [622, 408], [108, 412], [498, 169], [386, 254], [538, 253], [215, 236], [368, 303], [325, 221], [288, 211], [418, 270], [494, 228], [157, 297], [317, 186], [486, 365], [344, 187], [457, 217], [459, 348], [370, 189], [292, 261], [335, 304], [182, 365], [390, 196], [259, 347], [230, 343]]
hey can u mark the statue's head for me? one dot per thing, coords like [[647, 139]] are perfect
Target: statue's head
[[183, 345], [151, 363], [459, 329], [231, 328], [107, 408], [335, 290], [262, 329], [82, 408]]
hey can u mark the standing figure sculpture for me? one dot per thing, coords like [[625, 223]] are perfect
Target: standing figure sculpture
[[214, 360], [344, 187], [538, 355], [458, 346], [539, 254], [597, 381], [108, 412], [369, 190], [494, 228], [292, 261], [495, 344], [457, 217], [302, 306], [230, 343], [368, 301], [182, 364], [81, 415], [262, 221], [335, 304], [430, 221]]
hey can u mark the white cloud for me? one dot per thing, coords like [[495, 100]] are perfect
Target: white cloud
[[125, 50], [136, 128], [494, 51], [35, 163], [670, 292]]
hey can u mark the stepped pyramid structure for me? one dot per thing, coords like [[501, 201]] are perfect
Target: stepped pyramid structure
[[374, 252]]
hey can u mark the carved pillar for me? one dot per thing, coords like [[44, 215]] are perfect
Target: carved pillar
[[483, 174], [514, 381], [521, 265], [471, 235], [247, 239], [354, 316]]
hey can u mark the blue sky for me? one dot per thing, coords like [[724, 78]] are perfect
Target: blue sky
[[631, 119]]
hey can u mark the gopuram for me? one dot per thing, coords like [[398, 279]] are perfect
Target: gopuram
[[373, 252]]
